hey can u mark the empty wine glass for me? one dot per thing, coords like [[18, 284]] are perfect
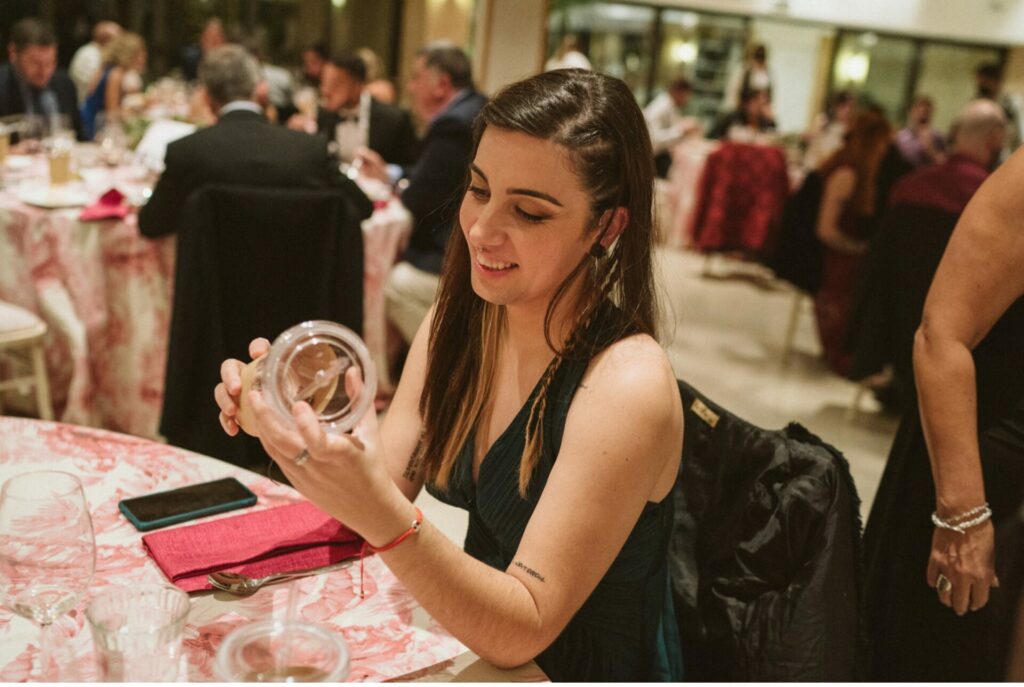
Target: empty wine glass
[[47, 549]]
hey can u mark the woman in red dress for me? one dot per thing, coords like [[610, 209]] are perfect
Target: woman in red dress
[[848, 205]]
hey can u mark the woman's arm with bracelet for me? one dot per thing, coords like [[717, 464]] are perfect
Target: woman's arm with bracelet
[[620, 449], [978, 279]]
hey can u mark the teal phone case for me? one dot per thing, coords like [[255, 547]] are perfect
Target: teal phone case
[[155, 524]]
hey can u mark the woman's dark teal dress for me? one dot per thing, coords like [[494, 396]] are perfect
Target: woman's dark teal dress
[[95, 103], [625, 631]]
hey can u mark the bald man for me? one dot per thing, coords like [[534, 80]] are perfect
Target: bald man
[[89, 58]]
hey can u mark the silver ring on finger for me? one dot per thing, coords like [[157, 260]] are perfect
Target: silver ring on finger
[[943, 585], [302, 458]]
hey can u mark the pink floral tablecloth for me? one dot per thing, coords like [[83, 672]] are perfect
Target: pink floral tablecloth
[[106, 294], [388, 634], [688, 159]]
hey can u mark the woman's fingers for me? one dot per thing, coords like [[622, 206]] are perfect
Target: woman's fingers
[[278, 440], [258, 347], [231, 375], [961, 594], [227, 403], [979, 595], [229, 424]]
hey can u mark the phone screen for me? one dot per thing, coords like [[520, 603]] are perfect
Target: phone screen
[[197, 497]]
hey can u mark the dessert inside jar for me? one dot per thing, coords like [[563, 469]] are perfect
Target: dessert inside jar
[[322, 363]]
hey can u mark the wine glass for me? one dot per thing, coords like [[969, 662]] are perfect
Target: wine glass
[[47, 549]]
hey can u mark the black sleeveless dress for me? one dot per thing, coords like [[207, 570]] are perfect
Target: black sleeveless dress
[[914, 637], [625, 631]]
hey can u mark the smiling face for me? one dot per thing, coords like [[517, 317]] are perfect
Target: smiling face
[[526, 219]]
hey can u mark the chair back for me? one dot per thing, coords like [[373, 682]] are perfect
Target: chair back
[[765, 552], [252, 262]]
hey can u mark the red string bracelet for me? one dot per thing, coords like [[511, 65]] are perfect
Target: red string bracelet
[[368, 547]]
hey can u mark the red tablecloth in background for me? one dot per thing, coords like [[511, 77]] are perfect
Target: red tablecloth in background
[[742, 192]]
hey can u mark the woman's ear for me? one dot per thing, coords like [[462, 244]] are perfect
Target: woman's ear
[[619, 220]]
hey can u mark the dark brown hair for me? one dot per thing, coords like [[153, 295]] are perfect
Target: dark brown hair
[[596, 118]]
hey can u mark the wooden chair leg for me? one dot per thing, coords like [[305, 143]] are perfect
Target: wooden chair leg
[[42, 384]]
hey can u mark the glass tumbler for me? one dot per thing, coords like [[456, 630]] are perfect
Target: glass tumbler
[[318, 362], [137, 632], [278, 651]]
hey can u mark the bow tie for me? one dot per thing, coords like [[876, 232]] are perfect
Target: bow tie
[[352, 118]]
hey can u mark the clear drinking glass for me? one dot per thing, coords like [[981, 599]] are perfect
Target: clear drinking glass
[[278, 651], [47, 549], [137, 632], [311, 362]]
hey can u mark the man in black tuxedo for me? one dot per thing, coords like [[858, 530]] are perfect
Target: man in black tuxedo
[[352, 119], [442, 93], [242, 148], [30, 82]]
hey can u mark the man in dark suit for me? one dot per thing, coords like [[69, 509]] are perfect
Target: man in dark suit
[[442, 93], [30, 82], [352, 119], [242, 148]]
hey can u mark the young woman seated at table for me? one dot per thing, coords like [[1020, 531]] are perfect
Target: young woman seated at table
[[535, 396], [123, 63]]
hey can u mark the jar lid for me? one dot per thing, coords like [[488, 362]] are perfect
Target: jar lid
[[313, 362]]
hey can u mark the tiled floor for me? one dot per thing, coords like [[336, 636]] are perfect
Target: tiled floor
[[724, 327]]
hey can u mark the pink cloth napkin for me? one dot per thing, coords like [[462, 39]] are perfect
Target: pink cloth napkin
[[292, 537], [111, 205]]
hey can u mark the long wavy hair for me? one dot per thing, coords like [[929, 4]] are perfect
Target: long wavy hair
[[865, 144], [596, 119]]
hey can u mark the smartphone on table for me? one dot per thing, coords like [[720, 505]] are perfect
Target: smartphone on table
[[164, 508]]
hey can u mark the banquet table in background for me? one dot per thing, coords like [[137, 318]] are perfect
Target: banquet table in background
[[726, 196], [389, 635], [106, 294]]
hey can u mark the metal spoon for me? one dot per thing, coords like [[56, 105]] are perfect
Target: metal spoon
[[243, 585]]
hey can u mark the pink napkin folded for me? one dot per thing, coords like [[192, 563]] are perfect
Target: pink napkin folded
[[292, 537], [111, 205]]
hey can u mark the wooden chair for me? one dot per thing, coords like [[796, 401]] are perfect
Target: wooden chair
[[21, 348]]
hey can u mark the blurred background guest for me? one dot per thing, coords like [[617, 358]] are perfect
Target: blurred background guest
[[89, 58], [751, 75], [377, 84], [352, 118], [30, 82], [241, 148], [988, 81], [275, 91], [919, 142], [314, 57], [124, 60], [666, 123], [211, 37], [845, 222], [829, 129], [568, 56], [752, 117], [443, 95], [912, 233]]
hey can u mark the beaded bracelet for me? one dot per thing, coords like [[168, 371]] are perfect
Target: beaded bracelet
[[965, 521]]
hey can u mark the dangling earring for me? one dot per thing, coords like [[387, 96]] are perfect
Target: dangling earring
[[598, 251]]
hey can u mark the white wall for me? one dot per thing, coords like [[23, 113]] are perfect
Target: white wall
[[793, 53], [510, 37], [981, 21]]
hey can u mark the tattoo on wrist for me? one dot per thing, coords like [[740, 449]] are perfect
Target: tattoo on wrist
[[528, 570]]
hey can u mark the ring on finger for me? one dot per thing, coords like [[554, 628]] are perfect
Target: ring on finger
[[301, 458], [943, 585]]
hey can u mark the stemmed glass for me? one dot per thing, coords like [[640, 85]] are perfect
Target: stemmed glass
[[47, 549]]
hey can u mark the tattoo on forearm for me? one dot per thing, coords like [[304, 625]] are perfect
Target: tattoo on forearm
[[412, 468], [528, 570]]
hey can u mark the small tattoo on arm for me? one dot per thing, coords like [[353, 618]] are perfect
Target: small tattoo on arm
[[528, 570], [412, 468]]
